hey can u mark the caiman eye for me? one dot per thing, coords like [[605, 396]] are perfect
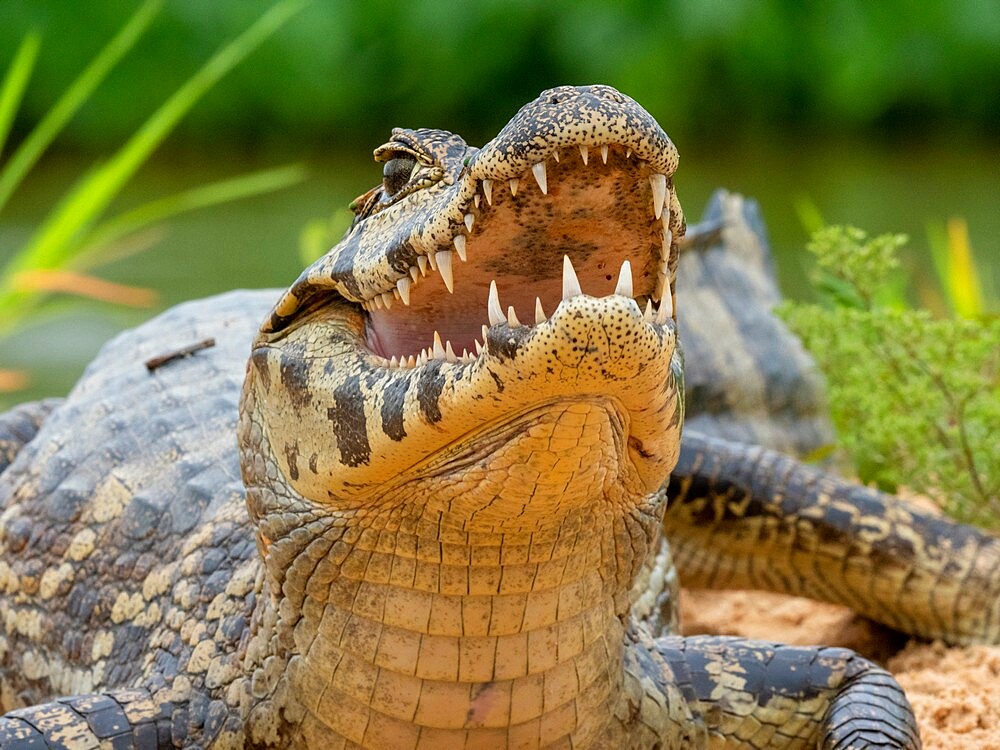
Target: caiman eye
[[396, 173]]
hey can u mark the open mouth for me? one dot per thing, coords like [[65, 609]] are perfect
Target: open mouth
[[589, 220]]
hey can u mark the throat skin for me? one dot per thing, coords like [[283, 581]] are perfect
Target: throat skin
[[482, 603]]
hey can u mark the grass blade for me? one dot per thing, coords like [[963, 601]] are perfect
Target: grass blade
[[15, 82], [79, 91], [100, 247], [963, 279], [53, 245]]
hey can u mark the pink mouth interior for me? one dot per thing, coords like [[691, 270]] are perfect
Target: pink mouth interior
[[599, 215]]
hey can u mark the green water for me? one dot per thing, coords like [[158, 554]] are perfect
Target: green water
[[880, 187]]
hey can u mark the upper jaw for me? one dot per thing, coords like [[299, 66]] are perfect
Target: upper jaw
[[597, 207], [580, 172]]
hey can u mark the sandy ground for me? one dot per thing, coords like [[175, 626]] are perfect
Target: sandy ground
[[955, 692]]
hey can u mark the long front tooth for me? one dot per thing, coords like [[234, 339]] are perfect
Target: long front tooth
[[512, 320], [438, 351], [659, 184], [624, 287], [539, 312], [469, 221], [488, 191], [571, 284], [666, 305], [604, 153], [512, 184], [539, 171], [443, 258], [403, 287], [459, 241], [584, 151], [422, 263], [493, 308]]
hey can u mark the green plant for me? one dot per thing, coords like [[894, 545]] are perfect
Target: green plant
[[74, 237], [915, 399]]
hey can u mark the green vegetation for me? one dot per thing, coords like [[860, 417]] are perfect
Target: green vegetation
[[915, 399], [74, 237], [345, 69]]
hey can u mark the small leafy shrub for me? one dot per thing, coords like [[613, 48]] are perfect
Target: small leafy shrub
[[915, 399]]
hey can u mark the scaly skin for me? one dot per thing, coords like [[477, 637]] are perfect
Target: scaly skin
[[447, 552]]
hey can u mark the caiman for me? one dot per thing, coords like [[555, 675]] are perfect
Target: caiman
[[438, 515]]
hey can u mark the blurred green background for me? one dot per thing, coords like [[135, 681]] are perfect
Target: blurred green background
[[885, 115]]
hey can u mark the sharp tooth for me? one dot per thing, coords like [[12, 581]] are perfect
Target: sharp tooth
[[659, 184], [571, 284], [459, 241], [493, 308], [648, 313], [450, 353], [539, 312], [628, 153], [469, 221], [422, 264], [432, 262], [476, 199], [583, 153], [443, 259], [665, 245], [488, 191], [393, 363], [479, 348], [555, 156], [539, 171], [414, 273], [666, 306], [658, 291], [438, 351], [422, 358], [624, 287], [512, 320], [411, 361], [387, 299], [377, 301], [403, 288], [485, 331], [604, 153], [512, 184]]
